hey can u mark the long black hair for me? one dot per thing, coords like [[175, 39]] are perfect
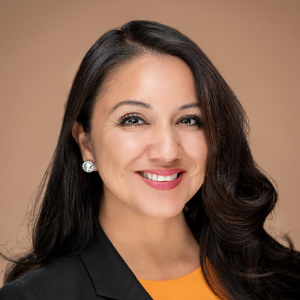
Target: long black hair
[[240, 260]]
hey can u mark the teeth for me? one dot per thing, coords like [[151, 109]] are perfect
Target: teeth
[[155, 177]]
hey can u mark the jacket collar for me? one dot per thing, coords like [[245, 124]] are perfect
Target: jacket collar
[[110, 274]]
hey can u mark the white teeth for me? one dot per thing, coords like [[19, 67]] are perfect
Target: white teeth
[[161, 178], [155, 177]]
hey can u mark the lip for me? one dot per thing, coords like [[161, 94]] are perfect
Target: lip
[[163, 172], [163, 185]]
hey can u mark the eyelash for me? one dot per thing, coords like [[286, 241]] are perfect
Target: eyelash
[[198, 122], [122, 120]]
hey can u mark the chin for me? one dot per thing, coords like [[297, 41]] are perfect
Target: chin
[[161, 211]]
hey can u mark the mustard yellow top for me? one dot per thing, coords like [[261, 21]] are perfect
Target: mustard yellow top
[[189, 287]]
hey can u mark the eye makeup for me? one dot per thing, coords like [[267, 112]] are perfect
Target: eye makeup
[[191, 120], [133, 119]]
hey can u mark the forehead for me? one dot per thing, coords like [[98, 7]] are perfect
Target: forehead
[[149, 78]]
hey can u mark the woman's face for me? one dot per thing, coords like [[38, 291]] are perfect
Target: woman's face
[[147, 138]]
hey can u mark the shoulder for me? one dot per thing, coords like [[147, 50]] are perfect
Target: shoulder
[[58, 280]]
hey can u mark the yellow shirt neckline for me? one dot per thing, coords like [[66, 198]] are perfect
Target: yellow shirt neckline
[[187, 287], [184, 277]]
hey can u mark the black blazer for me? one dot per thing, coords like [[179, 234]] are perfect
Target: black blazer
[[98, 273]]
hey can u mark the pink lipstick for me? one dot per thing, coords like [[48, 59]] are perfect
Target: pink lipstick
[[157, 173]]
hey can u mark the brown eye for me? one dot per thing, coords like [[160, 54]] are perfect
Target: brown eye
[[131, 120], [191, 120]]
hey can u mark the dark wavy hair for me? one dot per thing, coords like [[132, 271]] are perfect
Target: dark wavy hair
[[240, 260]]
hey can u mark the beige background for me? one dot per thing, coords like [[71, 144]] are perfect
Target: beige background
[[254, 44]]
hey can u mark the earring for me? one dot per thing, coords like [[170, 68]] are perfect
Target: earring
[[88, 166]]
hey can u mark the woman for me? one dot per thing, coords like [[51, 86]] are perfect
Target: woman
[[167, 174]]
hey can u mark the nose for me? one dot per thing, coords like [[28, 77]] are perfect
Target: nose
[[165, 145]]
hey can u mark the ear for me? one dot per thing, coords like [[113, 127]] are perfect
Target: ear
[[82, 139]]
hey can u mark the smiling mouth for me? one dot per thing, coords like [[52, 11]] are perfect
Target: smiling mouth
[[155, 177]]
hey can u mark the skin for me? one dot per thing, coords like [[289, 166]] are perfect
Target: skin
[[147, 225]]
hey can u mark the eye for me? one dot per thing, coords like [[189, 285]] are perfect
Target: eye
[[131, 120], [191, 120]]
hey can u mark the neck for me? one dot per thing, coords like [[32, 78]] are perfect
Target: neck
[[153, 248]]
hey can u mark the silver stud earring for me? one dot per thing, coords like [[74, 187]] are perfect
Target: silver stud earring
[[88, 166]]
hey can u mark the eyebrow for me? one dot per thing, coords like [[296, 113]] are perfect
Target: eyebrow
[[145, 105], [130, 102], [194, 104]]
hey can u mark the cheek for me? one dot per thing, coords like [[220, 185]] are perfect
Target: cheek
[[196, 150], [118, 149], [195, 147]]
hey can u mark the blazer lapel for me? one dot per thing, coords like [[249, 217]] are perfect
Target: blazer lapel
[[110, 274]]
